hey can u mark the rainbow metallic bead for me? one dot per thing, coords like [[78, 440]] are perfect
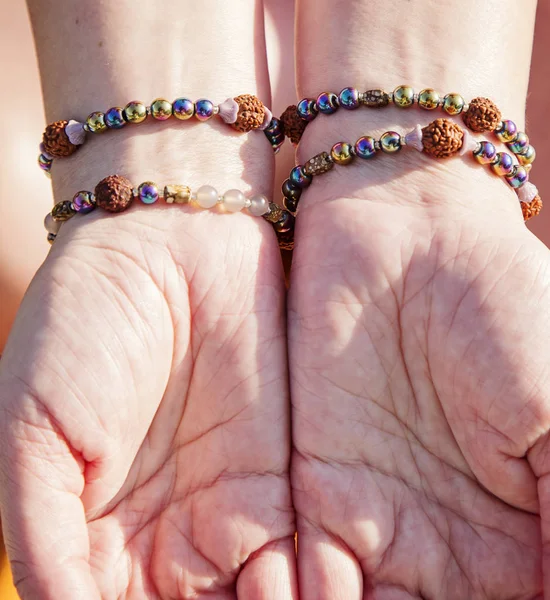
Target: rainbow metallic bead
[[453, 104], [45, 163], [390, 142], [291, 190], [307, 109], [114, 118], [403, 96], [485, 153], [519, 144], [365, 147], [503, 164], [183, 109], [428, 99], [527, 157], [95, 123], [84, 202], [327, 103], [507, 131], [148, 192], [135, 112], [342, 153], [161, 109], [349, 98], [299, 178], [204, 109], [517, 177]]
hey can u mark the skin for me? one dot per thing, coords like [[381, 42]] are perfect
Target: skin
[[419, 378]]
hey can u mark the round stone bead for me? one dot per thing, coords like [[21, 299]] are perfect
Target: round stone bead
[[485, 153], [517, 177], [161, 109], [259, 205], [96, 123], [327, 103], [290, 204], [207, 196], [503, 164], [307, 109], [390, 142], [453, 104], [519, 144], [234, 200], [135, 112], [183, 108], [403, 96], [148, 192], [114, 118], [428, 99], [507, 131], [349, 98], [299, 178], [365, 147], [204, 109], [342, 153], [527, 157], [284, 224], [290, 190], [84, 202], [51, 225], [45, 163]]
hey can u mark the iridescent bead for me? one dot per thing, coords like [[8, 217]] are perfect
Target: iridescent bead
[[503, 164], [114, 118], [342, 153], [234, 201], [520, 144], [485, 153], [63, 211], [148, 192], [51, 237], [390, 142], [517, 177], [365, 147], [135, 112], [274, 128], [207, 196], [204, 109], [327, 103], [183, 108], [285, 223], [95, 123], [45, 163], [507, 131], [527, 157], [307, 109], [51, 225], [299, 178], [349, 98], [84, 202], [290, 204], [290, 190], [161, 109], [453, 104], [259, 206], [428, 99], [403, 96]]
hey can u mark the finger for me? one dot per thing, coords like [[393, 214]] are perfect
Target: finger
[[43, 517], [327, 570], [270, 573]]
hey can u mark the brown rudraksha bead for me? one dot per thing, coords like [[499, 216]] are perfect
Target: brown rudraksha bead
[[442, 138], [56, 141], [251, 113], [482, 115], [531, 209], [293, 125], [114, 193]]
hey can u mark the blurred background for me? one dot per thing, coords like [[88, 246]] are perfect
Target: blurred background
[[25, 193]]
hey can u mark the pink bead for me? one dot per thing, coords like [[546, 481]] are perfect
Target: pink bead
[[268, 116], [228, 111], [527, 192], [469, 144], [75, 132], [414, 138]]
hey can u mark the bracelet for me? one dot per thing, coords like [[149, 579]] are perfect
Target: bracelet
[[243, 113], [116, 193], [442, 138], [480, 115]]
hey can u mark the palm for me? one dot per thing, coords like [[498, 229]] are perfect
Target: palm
[[146, 378], [419, 386]]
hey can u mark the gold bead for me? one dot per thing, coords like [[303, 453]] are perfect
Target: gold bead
[[527, 157], [428, 99], [342, 153], [179, 194], [390, 142], [453, 104], [63, 211], [403, 96], [161, 109], [135, 112], [96, 122]]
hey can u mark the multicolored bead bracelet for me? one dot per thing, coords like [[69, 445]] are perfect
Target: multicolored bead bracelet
[[481, 115], [243, 113], [442, 138], [116, 193]]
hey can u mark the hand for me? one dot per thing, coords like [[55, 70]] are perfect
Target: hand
[[144, 428]]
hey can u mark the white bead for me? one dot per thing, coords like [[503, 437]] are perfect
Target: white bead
[[259, 205], [234, 201], [50, 225], [207, 196]]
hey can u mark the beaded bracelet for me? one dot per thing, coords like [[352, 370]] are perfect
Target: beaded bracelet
[[116, 193], [440, 139], [480, 115], [244, 113]]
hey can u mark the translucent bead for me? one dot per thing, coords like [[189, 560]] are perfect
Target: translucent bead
[[390, 142], [234, 200], [50, 225], [527, 157], [114, 118], [453, 104], [259, 205], [428, 99], [207, 196], [161, 109], [135, 112], [341, 153], [403, 96], [96, 122], [183, 108]]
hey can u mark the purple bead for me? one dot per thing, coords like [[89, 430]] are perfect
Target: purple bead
[[507, 131], [44, 163], [349, 98], [518, 177], [327, 103], [519, 144], [274, 127], [365, 147], [84, 202], [307, 109], [299, 178], [114, 118], [183, 108], [148, 192], [204, 109], [486, 153], [503, 164]]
